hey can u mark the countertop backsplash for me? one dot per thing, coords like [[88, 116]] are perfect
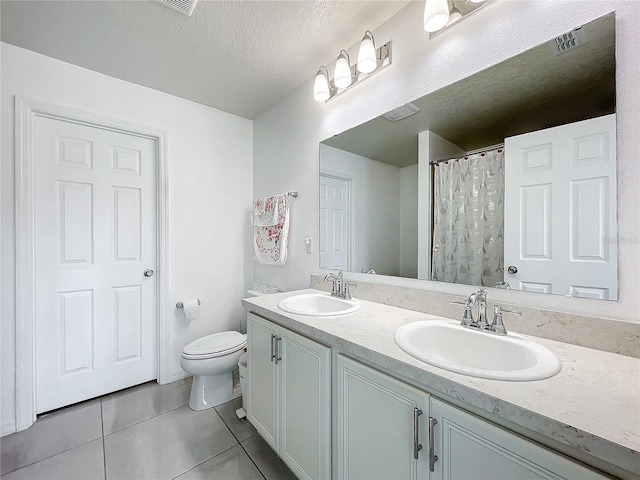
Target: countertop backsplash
[[592, 332]]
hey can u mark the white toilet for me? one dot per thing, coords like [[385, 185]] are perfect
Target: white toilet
[[211, 360]]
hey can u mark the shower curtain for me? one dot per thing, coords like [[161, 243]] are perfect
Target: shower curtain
[[468, 225]]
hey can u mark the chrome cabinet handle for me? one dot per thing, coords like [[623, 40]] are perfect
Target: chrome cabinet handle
[[278, 357], [433, 458], [416, 446], [273, 347], [148, 272]]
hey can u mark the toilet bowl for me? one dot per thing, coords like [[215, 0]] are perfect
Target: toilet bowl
[[211, 360]]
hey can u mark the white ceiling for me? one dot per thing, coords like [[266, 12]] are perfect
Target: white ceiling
[[241, 57]]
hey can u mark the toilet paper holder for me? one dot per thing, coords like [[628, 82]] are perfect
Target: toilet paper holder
[[181, 305]]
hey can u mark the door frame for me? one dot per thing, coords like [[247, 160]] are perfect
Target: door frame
[[26, 111], [351, 244]]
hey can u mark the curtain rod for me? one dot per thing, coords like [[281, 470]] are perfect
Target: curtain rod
[[472, 152]]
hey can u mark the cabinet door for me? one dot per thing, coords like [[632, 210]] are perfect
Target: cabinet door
[[376, 425], [305, 406], [471, 448], [262, 391]]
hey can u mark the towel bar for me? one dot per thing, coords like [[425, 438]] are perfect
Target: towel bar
[[181, 305]]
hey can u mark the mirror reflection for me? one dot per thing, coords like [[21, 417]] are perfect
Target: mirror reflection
[[504, 179]]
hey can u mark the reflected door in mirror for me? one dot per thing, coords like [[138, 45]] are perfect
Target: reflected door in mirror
[[335, 220], [560, 215]]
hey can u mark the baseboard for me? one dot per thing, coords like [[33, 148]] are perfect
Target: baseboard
[[177, 374], [8, 427]]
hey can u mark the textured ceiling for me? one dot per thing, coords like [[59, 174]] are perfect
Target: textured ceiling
[[241, 57], [531, 91]]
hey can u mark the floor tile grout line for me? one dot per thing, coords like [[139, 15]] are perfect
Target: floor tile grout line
[[84, 404], [226, 425], [146, 419], [251, 458], [210, 458], [240, 443], [104, 448], [50, 456]]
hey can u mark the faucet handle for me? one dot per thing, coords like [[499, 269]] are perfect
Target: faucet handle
[[467, 316], [345, 291], [497, 326], [458, 302]]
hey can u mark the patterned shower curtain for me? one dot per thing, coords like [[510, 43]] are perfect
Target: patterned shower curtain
[[468, 230]]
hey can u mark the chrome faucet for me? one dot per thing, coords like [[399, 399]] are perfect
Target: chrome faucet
[[336, 279], [479, 299], [340, 286]]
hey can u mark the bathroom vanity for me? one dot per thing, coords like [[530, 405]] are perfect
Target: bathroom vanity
[[337, 398]]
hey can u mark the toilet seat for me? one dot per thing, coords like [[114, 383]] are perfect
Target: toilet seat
[[215, 345]]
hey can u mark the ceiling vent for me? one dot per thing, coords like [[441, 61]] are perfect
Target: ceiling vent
[[183, 6], [401, 112], [569, 40]]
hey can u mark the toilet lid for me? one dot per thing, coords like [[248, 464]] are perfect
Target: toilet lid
[[216, 344]]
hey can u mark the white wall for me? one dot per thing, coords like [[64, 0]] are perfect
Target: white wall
[[286, 137], [409, 221], [377, 204], [210, 187]]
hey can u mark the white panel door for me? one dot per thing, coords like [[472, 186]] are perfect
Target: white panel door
[[376, 425], [335, 222], [305, 403], [95, 236], [560, 210], [471, 448]]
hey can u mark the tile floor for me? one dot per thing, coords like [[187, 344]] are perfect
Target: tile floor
[[145, 432]]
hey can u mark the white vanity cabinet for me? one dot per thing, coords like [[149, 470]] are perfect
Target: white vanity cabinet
[[469, 447], [379, 421], [377, 437], [289, 396]]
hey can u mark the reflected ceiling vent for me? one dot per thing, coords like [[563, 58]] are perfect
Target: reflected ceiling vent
[[569, 40], [183, 6], [401, 112]]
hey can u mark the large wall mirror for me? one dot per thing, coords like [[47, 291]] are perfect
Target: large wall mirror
[[504, 179]]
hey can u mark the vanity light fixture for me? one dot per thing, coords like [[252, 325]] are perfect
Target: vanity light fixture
[[436, 15], [439, 14], [370, 60], [454, 14], [367, 58], [342, 76]]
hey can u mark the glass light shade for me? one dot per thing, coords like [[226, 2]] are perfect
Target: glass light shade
[[477, 1], [321, 86], [436, 15], [342, 75], [454, 16], [367, 60]]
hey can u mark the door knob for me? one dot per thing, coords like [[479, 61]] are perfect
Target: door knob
[[148, 272], [512, 269]]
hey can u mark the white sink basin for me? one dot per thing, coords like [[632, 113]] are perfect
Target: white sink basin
[[318, 305], [447, 345]]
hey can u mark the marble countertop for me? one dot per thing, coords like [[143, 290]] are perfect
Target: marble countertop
[[593, 404]]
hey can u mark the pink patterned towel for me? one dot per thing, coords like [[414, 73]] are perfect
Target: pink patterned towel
[[271, 229]]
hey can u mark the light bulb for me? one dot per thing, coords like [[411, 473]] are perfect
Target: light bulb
[[321, 86], [342, 75], [367, 60], [436, 15]]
